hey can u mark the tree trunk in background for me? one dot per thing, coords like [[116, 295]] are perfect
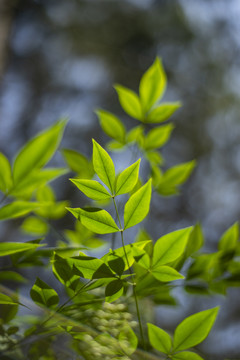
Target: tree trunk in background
[[7, 8]]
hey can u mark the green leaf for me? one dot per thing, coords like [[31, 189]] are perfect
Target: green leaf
[[8, 248], [42, 294], [162, 112], [38, 151], [103, 165], [128, 341], [11, 276], [187, 355], [169, 247], [91, 188], [157, 137], [127, 179], [194, 329], [78, 163], [159, 339], [114, 145], [34, 226], [63, 271], [195, 241], [6, 300], [111, 125], [96, 220], [17, 209], [91, 267], [34, 180], [152, 85], [135, 134], [166, 273], [5, 174], [129, 101], [113, 290], [137, 207], [230, 238], [174, 177]]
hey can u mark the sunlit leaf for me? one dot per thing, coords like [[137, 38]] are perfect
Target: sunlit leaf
[[230, 238], [159, 339], [42, 294], [157, 137], [5, 174], [90, 267], [38, 151], [128, 335], [166, 273], [127, 179], [186, 355], [137, 207], [135, 134], [111, 125], [91, 188], [194, 329], [195, 241], [162, 112], [8, 248], [103, 165], [169, 247], [96, 220], [129, 101], [152, 85], [6, 300]]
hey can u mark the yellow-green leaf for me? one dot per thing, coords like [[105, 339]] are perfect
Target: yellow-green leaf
[[129, 101], [166, 273], [162, 112], [127, 179], [137, 207], [152, 85], [91, 188], [112, 125], [5, 174], [158, 137], [96, 220], [17, 209], [9, 248], [103, 165], [159, 339]]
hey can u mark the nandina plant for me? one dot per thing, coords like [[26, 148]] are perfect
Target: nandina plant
[[96, 304]]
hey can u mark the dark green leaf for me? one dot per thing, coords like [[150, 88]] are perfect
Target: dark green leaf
[[43, 294], [113, 290]]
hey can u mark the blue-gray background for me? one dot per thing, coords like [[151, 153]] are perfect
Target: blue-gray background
[[63, 58]]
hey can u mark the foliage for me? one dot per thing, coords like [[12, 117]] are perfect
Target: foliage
[[89, 306]]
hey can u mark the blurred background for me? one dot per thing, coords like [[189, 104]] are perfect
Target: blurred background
[[61, 58]]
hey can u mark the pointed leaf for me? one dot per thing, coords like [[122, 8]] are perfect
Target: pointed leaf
[[96, 220], [127, 179], [91, 188], [78, 163], [187, 355], [34, 226], [230, 238], [38, 151], [137, 207], [129, 101], [194, 329], [159, 339], [128, 340], [103, 165], [157, 137], [166, 273], [195, 241], [42, 294], [90, 267], [6, 300], [152, 85], [9, 248], [162, 112], [169, 247], [17, 209], [111, 125], [5, 174]]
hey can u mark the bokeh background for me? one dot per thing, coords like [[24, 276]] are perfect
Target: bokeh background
[[61, 57]]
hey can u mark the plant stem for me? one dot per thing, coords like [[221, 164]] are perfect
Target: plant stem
[[130, 270]]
